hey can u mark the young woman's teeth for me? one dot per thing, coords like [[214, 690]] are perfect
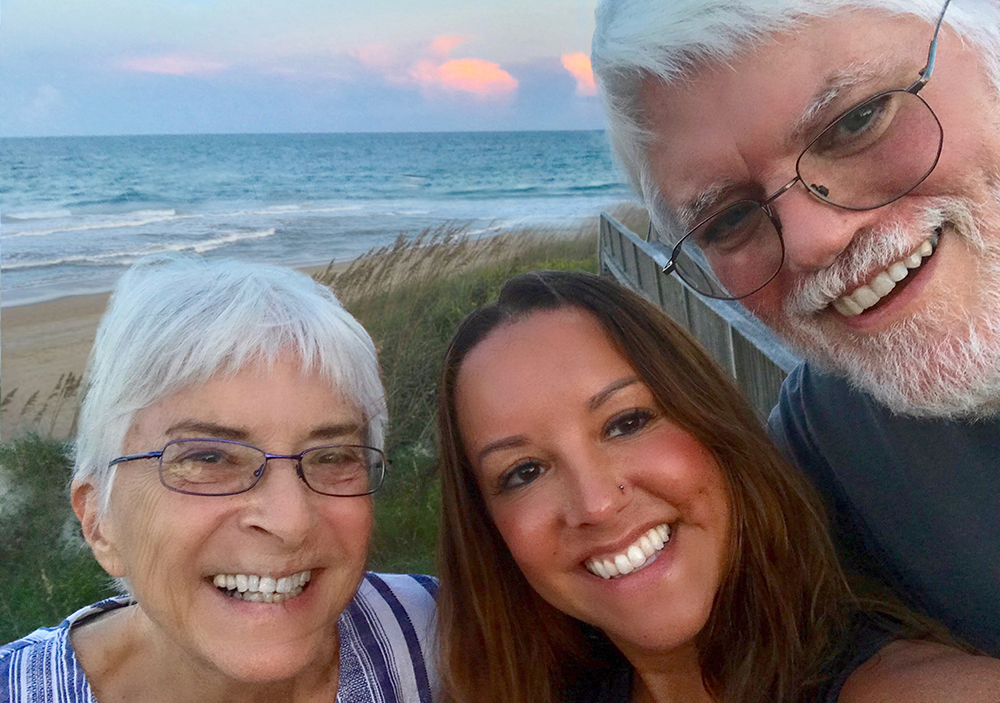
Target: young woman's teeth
[[863, 297], [262, 589], [636, 556]]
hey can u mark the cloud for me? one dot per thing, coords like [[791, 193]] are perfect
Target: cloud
[[42, 107], [446, 43], [579, 65], [173, 65], [379, 56], [482, 78]]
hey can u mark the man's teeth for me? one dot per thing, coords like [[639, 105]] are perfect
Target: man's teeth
[[862, 298], [262, 589], [636, 556]]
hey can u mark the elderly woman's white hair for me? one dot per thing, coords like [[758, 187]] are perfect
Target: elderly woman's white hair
[[636, 40], [176, 321]]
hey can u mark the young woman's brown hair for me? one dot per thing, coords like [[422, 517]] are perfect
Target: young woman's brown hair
[[783, 596]]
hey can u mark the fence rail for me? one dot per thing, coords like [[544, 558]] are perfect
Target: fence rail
[[741, 344]]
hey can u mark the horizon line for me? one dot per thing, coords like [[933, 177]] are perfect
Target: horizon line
[[303, 133]]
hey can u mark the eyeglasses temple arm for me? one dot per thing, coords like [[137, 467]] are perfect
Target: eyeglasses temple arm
[[926, 71], [133, 457]]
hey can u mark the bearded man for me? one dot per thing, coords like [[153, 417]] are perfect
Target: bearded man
[[819, 163]]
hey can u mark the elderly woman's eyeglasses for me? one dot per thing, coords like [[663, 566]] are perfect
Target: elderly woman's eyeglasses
[[873, 154], [221, 467]]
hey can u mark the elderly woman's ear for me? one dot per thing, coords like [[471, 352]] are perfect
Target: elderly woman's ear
[[96, 528]]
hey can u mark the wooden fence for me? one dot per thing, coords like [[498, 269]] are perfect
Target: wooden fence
[[740, 343]]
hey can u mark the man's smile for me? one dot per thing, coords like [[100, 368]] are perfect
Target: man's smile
[[882, 284]]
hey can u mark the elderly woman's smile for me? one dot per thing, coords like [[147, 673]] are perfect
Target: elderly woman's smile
[[248, 584], [262, 589]]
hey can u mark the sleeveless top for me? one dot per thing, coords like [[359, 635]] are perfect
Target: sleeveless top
[[864, 636]]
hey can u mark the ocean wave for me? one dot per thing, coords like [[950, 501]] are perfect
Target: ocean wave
[[127, 258], [597, 187], [129, 195], [289, 209], [139, 218], [41, 215], [231, 238], [123, 258], [494, 192]]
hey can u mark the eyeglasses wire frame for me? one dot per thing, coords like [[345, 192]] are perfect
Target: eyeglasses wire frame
[[817, 190], [259, 472]]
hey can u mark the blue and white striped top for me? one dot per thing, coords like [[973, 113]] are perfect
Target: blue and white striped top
[[387, 649]]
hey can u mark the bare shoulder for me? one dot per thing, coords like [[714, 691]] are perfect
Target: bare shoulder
[[922, 672]]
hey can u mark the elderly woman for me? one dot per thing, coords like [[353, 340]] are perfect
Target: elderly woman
[[617, 527], [230, 440]]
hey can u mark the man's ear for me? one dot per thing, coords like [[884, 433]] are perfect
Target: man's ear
[[96, 527]]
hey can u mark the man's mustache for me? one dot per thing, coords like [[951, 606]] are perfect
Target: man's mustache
[[876, 248]]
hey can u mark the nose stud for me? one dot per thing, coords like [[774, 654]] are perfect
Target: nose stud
[[621, 488]]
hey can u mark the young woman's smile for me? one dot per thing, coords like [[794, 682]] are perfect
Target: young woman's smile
[[615, 515]]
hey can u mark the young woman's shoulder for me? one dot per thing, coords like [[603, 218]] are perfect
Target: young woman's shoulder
[[922, 672]]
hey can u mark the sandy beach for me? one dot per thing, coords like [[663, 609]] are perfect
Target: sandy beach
[[41, 342]]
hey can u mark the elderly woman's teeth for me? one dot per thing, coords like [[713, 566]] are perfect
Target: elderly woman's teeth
[[262, 589], [864, 297], [636, 556]]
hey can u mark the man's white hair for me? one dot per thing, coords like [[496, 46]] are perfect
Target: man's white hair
[[175, 321], [636, 40]]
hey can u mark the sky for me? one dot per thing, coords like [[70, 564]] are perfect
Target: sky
[[99, 67]]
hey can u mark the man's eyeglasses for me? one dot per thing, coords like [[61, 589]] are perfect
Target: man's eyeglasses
[[220, 467], [871, 155]]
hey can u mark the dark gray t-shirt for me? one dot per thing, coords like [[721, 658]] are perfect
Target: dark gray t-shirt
[[914, 503]]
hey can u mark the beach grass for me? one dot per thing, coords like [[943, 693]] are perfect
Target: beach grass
[[410, 296], [49, 570]]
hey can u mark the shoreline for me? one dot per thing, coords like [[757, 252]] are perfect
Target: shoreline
[[310, 268], [42, 342]]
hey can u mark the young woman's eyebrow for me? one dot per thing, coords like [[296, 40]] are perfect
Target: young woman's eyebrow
[[511, 442], [593, 403], [609, 390]]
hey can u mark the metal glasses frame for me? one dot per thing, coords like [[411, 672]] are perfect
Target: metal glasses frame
[[816, 190], [259, 472]]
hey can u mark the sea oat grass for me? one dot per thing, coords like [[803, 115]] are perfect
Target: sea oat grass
[[48, 569]]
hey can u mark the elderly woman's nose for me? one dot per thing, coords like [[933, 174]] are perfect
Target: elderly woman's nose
[[280, 503]]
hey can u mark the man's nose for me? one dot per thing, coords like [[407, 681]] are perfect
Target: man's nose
[[281, 503], [815, 233]]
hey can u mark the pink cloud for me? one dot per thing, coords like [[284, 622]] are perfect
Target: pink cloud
[[446, 43], [482, 78], [173, 65], [579, 65]]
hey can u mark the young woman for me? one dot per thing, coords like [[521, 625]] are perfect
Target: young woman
[[617, 527]]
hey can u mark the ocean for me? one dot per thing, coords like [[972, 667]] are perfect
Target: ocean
[[76, 211]]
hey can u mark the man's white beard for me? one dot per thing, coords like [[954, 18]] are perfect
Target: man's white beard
[[943, 361]]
